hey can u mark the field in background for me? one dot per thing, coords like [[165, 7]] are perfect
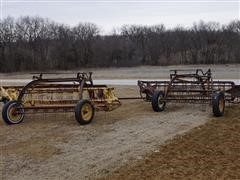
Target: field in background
[[228, 71]]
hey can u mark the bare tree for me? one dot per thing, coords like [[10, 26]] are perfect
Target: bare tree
[[34, 43], [84, 36], [7, 39]]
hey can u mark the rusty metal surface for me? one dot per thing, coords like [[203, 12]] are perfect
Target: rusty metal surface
[[190, 86], [61, 94]]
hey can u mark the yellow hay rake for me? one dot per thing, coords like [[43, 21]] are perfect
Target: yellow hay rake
[[44, 95]]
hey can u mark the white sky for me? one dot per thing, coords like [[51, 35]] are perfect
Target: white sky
[[114, 13]]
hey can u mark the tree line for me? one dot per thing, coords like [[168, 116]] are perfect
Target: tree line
[[35, 43]]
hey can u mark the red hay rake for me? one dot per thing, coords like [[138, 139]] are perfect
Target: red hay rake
[[190, 86]]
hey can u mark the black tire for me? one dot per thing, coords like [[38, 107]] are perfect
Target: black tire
[[84, 112], [218, 104], [157, 104], [9, 114]]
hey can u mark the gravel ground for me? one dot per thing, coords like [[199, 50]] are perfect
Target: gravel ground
[[210, 151], [56, 147]]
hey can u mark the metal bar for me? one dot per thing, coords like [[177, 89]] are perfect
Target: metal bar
[[49, 107], [129, 98]]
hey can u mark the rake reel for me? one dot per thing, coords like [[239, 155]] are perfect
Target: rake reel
[[190, 86]]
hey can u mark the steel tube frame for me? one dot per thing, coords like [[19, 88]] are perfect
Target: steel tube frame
[[198, 85]]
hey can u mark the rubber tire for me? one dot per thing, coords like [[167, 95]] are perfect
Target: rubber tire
[[216, 97], [78, 115], [155, 102], [5, 116]]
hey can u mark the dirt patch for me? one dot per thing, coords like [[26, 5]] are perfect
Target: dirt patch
[[37, 148], [210, 151]]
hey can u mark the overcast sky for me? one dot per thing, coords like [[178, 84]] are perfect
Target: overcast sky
[[114, 13]]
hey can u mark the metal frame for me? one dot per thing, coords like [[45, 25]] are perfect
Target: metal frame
[[190, 86], [47, 94]]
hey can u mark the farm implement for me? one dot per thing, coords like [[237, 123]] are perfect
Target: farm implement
[[190, 86], [79, 95], [50, 95]]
